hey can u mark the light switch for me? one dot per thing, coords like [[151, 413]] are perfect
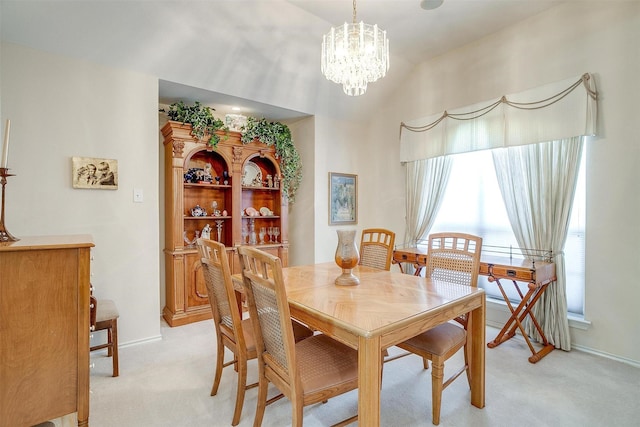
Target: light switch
[[138, 196]]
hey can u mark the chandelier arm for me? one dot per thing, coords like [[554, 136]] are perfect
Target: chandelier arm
[[354, 11]]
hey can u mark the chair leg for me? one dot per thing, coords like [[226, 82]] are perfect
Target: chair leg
[[242, 387], [296, 409], [437, 375], [467, 364], [114, 348], [262, 400], [110, 340], [219, 367]]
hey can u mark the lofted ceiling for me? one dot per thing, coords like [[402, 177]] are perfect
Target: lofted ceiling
[[260, 55]]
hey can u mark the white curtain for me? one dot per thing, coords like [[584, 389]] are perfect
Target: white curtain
[[538, 183], [426, 181], [552, 112]]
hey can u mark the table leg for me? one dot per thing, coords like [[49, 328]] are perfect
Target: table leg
[[369, 381], [476, 333]]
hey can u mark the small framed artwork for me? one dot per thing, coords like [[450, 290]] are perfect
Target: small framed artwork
[[90, 172], [343, 198]]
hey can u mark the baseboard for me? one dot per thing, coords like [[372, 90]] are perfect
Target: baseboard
[[141, 341], [498, 314], [589, 350]]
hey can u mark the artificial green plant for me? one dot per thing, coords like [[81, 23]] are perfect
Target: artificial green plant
[[200, 118], [278, 135]]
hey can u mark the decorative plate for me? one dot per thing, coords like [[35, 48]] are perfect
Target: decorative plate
[[251, 211], [251, 175], [264, 211]]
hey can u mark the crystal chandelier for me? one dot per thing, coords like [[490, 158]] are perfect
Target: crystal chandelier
[[354, 55]]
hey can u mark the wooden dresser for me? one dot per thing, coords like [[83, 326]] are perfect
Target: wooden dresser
[[44, 329]]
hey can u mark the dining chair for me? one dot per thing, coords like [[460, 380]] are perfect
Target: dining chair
[[232, 331], [376, 248], [376, 251], [310, 371], [452, 258], [103, 316]]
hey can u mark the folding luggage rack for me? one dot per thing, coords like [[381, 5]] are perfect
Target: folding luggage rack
[[535, 267]]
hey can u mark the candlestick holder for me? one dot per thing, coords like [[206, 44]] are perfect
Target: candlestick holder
[[5, 236]]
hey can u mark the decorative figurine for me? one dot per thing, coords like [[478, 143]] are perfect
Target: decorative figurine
[[206, 174], [206, 232], [269, 181]]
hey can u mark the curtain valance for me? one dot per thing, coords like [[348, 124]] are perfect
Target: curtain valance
[[555, 111]]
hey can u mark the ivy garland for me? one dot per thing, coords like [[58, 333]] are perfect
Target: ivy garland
[[274, 134], [278, 135], [200, 118]]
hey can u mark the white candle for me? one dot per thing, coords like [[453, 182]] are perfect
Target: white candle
[[5, 147]]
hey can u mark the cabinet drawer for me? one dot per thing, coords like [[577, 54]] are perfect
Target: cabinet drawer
[[508, 272], [411, 256], [540, 272]]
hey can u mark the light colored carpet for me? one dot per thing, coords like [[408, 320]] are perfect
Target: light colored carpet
[[167, 383]]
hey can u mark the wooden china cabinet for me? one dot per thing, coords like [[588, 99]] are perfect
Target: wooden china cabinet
[[233, 188]]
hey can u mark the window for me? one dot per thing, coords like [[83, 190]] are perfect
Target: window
[[473, 204]]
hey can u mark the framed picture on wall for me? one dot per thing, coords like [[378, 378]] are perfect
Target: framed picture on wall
[[90, 172], [343, 198]]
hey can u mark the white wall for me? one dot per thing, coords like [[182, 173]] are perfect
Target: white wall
[[578, 37], [337, 147], [61, 108], [302, 211], [345, 147]]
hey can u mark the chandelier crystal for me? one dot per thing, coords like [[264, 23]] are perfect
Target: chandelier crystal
[[354, 55]]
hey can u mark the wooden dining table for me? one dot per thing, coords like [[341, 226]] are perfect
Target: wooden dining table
[[384, 309]]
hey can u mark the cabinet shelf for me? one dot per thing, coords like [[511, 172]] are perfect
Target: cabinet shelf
[[245, 187], [192, 218], [206, 185]]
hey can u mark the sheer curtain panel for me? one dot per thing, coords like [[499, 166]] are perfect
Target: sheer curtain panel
[[537, 183], [426, 181]]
